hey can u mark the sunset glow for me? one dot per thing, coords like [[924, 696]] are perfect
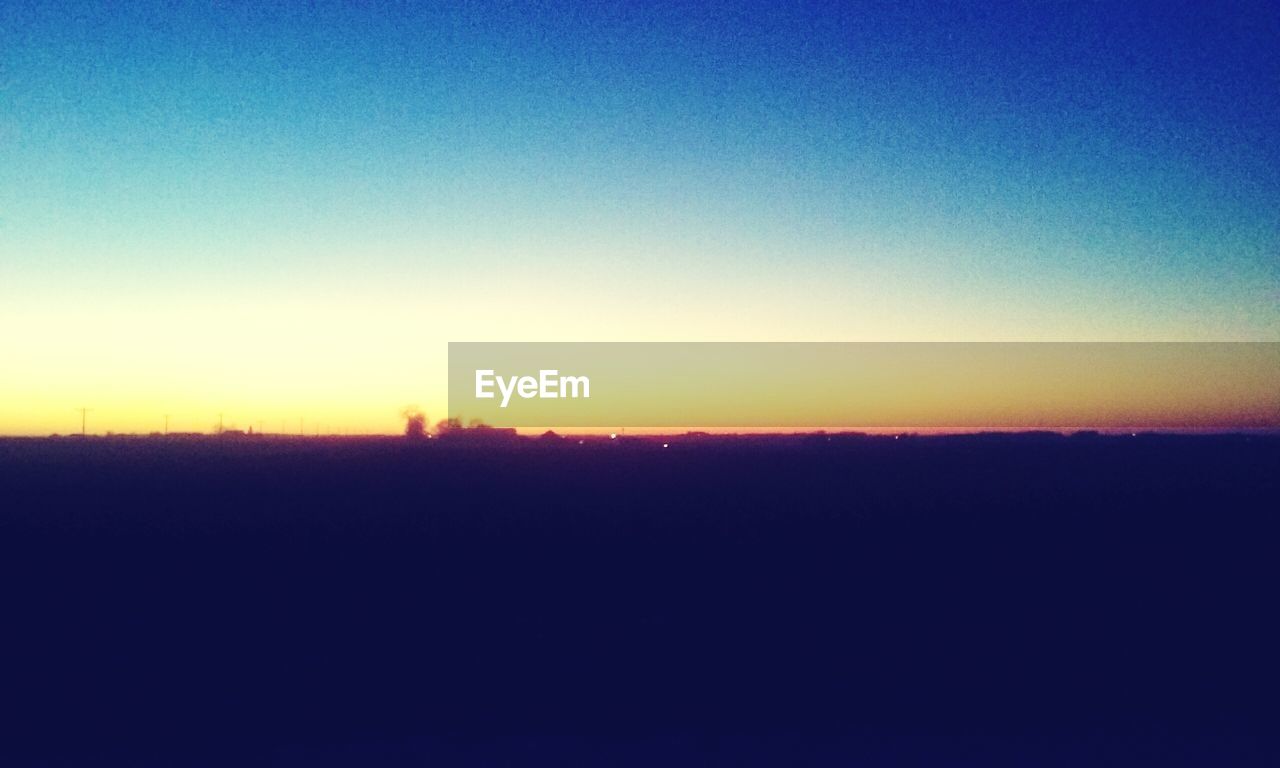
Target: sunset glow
[[295, 233]]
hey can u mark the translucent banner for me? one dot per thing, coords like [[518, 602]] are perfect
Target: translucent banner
[[794, 386]]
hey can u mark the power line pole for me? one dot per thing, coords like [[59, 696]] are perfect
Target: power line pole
[[166, 423], [82, 411]]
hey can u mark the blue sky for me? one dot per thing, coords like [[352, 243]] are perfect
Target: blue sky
[[680, 171]]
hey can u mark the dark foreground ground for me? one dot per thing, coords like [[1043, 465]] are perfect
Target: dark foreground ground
[[1029, 600]]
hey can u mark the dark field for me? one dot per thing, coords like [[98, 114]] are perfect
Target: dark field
[[985, 600]]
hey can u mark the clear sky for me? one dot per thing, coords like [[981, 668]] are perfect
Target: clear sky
[[285, 212]]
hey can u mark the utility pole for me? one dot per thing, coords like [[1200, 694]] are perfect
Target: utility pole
[[82, 411], [166, 423]]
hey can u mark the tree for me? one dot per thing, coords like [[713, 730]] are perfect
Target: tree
[[415, 427]]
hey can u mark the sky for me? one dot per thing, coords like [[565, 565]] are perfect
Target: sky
[[285, 213]]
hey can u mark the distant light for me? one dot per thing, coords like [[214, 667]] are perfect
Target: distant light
[[613, 435], [664, 445], [580, 442]]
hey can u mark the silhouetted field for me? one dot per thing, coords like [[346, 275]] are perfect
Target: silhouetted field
[[1021, 600]]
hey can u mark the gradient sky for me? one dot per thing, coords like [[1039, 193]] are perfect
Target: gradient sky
[[275, 213]]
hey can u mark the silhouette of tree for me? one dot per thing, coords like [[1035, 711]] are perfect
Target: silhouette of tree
[[415, 427]]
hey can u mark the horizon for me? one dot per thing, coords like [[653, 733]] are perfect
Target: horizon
[[658, 433]]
